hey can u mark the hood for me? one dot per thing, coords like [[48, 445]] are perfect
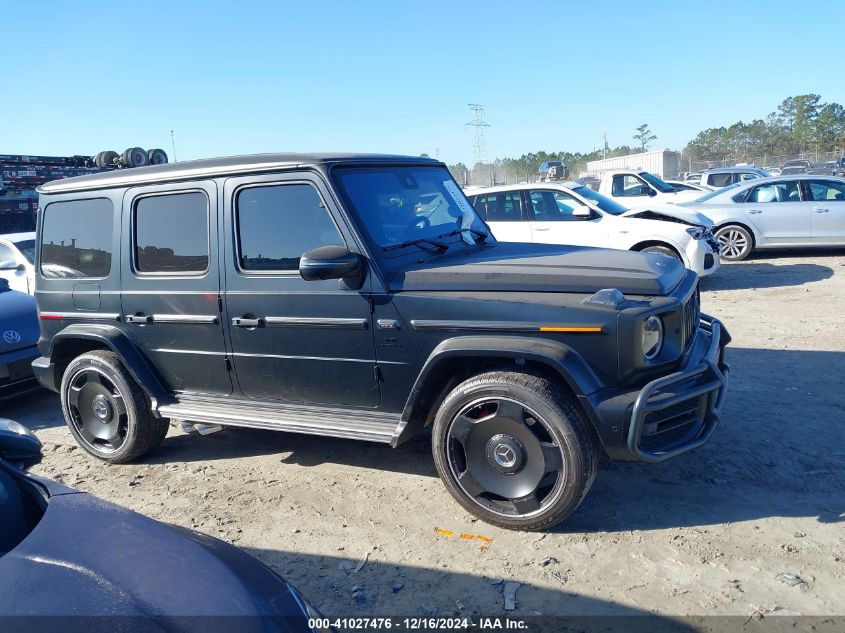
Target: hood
[[669, 213], [19, 316], [520, 267], [88, 557]]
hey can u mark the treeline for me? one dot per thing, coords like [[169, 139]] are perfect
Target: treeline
[[801, 124]]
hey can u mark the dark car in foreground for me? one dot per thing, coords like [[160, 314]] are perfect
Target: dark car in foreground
[[362, 297], [18, 339], [66, 554]]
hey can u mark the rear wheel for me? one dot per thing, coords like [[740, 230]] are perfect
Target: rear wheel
[[135, 157], [107, 159], [514, 449], [736, 242], [106, 411]]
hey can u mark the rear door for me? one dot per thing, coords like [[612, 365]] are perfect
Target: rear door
[[779, 212], [827, 204], [171, 284], [504, 212], [293, 340]]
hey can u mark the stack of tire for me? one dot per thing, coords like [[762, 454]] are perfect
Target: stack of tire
[[131, 157]]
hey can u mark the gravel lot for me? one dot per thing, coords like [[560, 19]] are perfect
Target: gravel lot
[[711, 532]]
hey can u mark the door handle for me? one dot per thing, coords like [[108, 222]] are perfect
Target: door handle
[[541, 228], [755, 211], [138, 319], [247, 322], [819, 209]]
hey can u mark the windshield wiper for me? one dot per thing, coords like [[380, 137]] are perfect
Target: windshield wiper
[[417, 242], [480, 234]]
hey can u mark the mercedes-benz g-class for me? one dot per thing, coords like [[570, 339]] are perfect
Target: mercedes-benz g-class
[[361, 296]]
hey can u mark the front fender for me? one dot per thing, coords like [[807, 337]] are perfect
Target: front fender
[[120, 344], [558, 357]]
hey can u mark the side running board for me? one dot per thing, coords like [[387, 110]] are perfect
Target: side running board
[[356, 424]]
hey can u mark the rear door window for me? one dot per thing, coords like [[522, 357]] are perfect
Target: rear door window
[[505, 206], [76, 239], [171, 234], [822, 190]]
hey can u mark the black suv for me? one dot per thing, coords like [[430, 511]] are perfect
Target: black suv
[[361, 296]]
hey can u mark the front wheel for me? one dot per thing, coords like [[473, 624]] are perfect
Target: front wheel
[[736, 242], [663, 250], [514, 449], [106, 411]]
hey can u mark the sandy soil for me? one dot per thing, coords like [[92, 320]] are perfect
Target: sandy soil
[[711, 532]]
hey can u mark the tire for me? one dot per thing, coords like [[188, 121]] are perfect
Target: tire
[[106, 411], [663, 250], [156, 157], [483, 439], [107, 159], [97, 159], [135, 157], [737, 242]]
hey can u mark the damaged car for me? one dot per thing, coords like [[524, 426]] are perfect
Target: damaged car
[[573, 214]]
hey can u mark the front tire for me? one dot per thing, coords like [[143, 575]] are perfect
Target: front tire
[[737, 242], [663, 250], [514, 449], [106, 411]]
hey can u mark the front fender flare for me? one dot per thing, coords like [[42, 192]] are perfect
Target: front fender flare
[[560, 358], [120, 344]]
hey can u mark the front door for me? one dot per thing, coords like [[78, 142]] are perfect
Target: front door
[[553, 222], [779, 213], [827, 203], [171, 284], [293, 340]]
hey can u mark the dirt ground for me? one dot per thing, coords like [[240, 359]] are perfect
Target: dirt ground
[[751, 524]]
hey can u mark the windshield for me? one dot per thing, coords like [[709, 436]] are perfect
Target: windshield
[[716, 192], [654, 181], [605, 204], [419, 205], [27, 248]]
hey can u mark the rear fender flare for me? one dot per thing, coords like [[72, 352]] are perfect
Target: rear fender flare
[[120, 344]]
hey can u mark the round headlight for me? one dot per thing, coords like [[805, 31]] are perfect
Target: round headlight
[[652, 337]]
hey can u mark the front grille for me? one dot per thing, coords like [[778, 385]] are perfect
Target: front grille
[[679, 422], [690, 316]]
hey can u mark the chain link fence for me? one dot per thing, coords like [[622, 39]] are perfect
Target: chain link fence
[[766, 161]]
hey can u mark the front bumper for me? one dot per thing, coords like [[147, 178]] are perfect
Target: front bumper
[[16, 377], [672, 414], [703, 256]]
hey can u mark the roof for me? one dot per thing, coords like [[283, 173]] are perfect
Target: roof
[[212, 167], [18, 237]]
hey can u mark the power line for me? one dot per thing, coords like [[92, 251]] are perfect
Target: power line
[[478, 125]]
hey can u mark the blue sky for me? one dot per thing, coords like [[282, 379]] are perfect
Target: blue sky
[[396, 76]]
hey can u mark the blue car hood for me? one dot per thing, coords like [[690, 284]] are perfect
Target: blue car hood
[[17, 314], [89, 557]]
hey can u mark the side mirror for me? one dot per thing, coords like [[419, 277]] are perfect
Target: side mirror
[[18, 445], [8, 264], [332, 262], [582, 212]]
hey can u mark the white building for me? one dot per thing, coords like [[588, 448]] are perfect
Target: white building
[[663, 163]]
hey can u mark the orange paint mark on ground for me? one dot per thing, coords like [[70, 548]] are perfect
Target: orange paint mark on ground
[[442, 532], [476, 537]]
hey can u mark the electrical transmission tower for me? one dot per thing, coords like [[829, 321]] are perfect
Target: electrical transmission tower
[[478, 125]]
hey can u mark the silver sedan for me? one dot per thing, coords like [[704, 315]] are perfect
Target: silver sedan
[[776, 212]]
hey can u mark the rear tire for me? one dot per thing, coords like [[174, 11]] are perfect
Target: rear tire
[[514, 449], [107, 158], [106, 411], [156, 157], [737, 242]]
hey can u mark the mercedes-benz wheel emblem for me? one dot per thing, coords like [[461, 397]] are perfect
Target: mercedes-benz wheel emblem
[[505, 455], [12, 337]]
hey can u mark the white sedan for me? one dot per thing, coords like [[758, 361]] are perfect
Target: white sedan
[[776, 212], [571, 213], [17, 254]]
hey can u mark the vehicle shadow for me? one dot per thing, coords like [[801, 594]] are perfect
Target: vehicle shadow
[[754, 274], [779, 451], [29, 409], [384, 589]]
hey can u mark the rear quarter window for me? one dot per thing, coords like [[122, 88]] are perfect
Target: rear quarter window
[[76, 239]]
